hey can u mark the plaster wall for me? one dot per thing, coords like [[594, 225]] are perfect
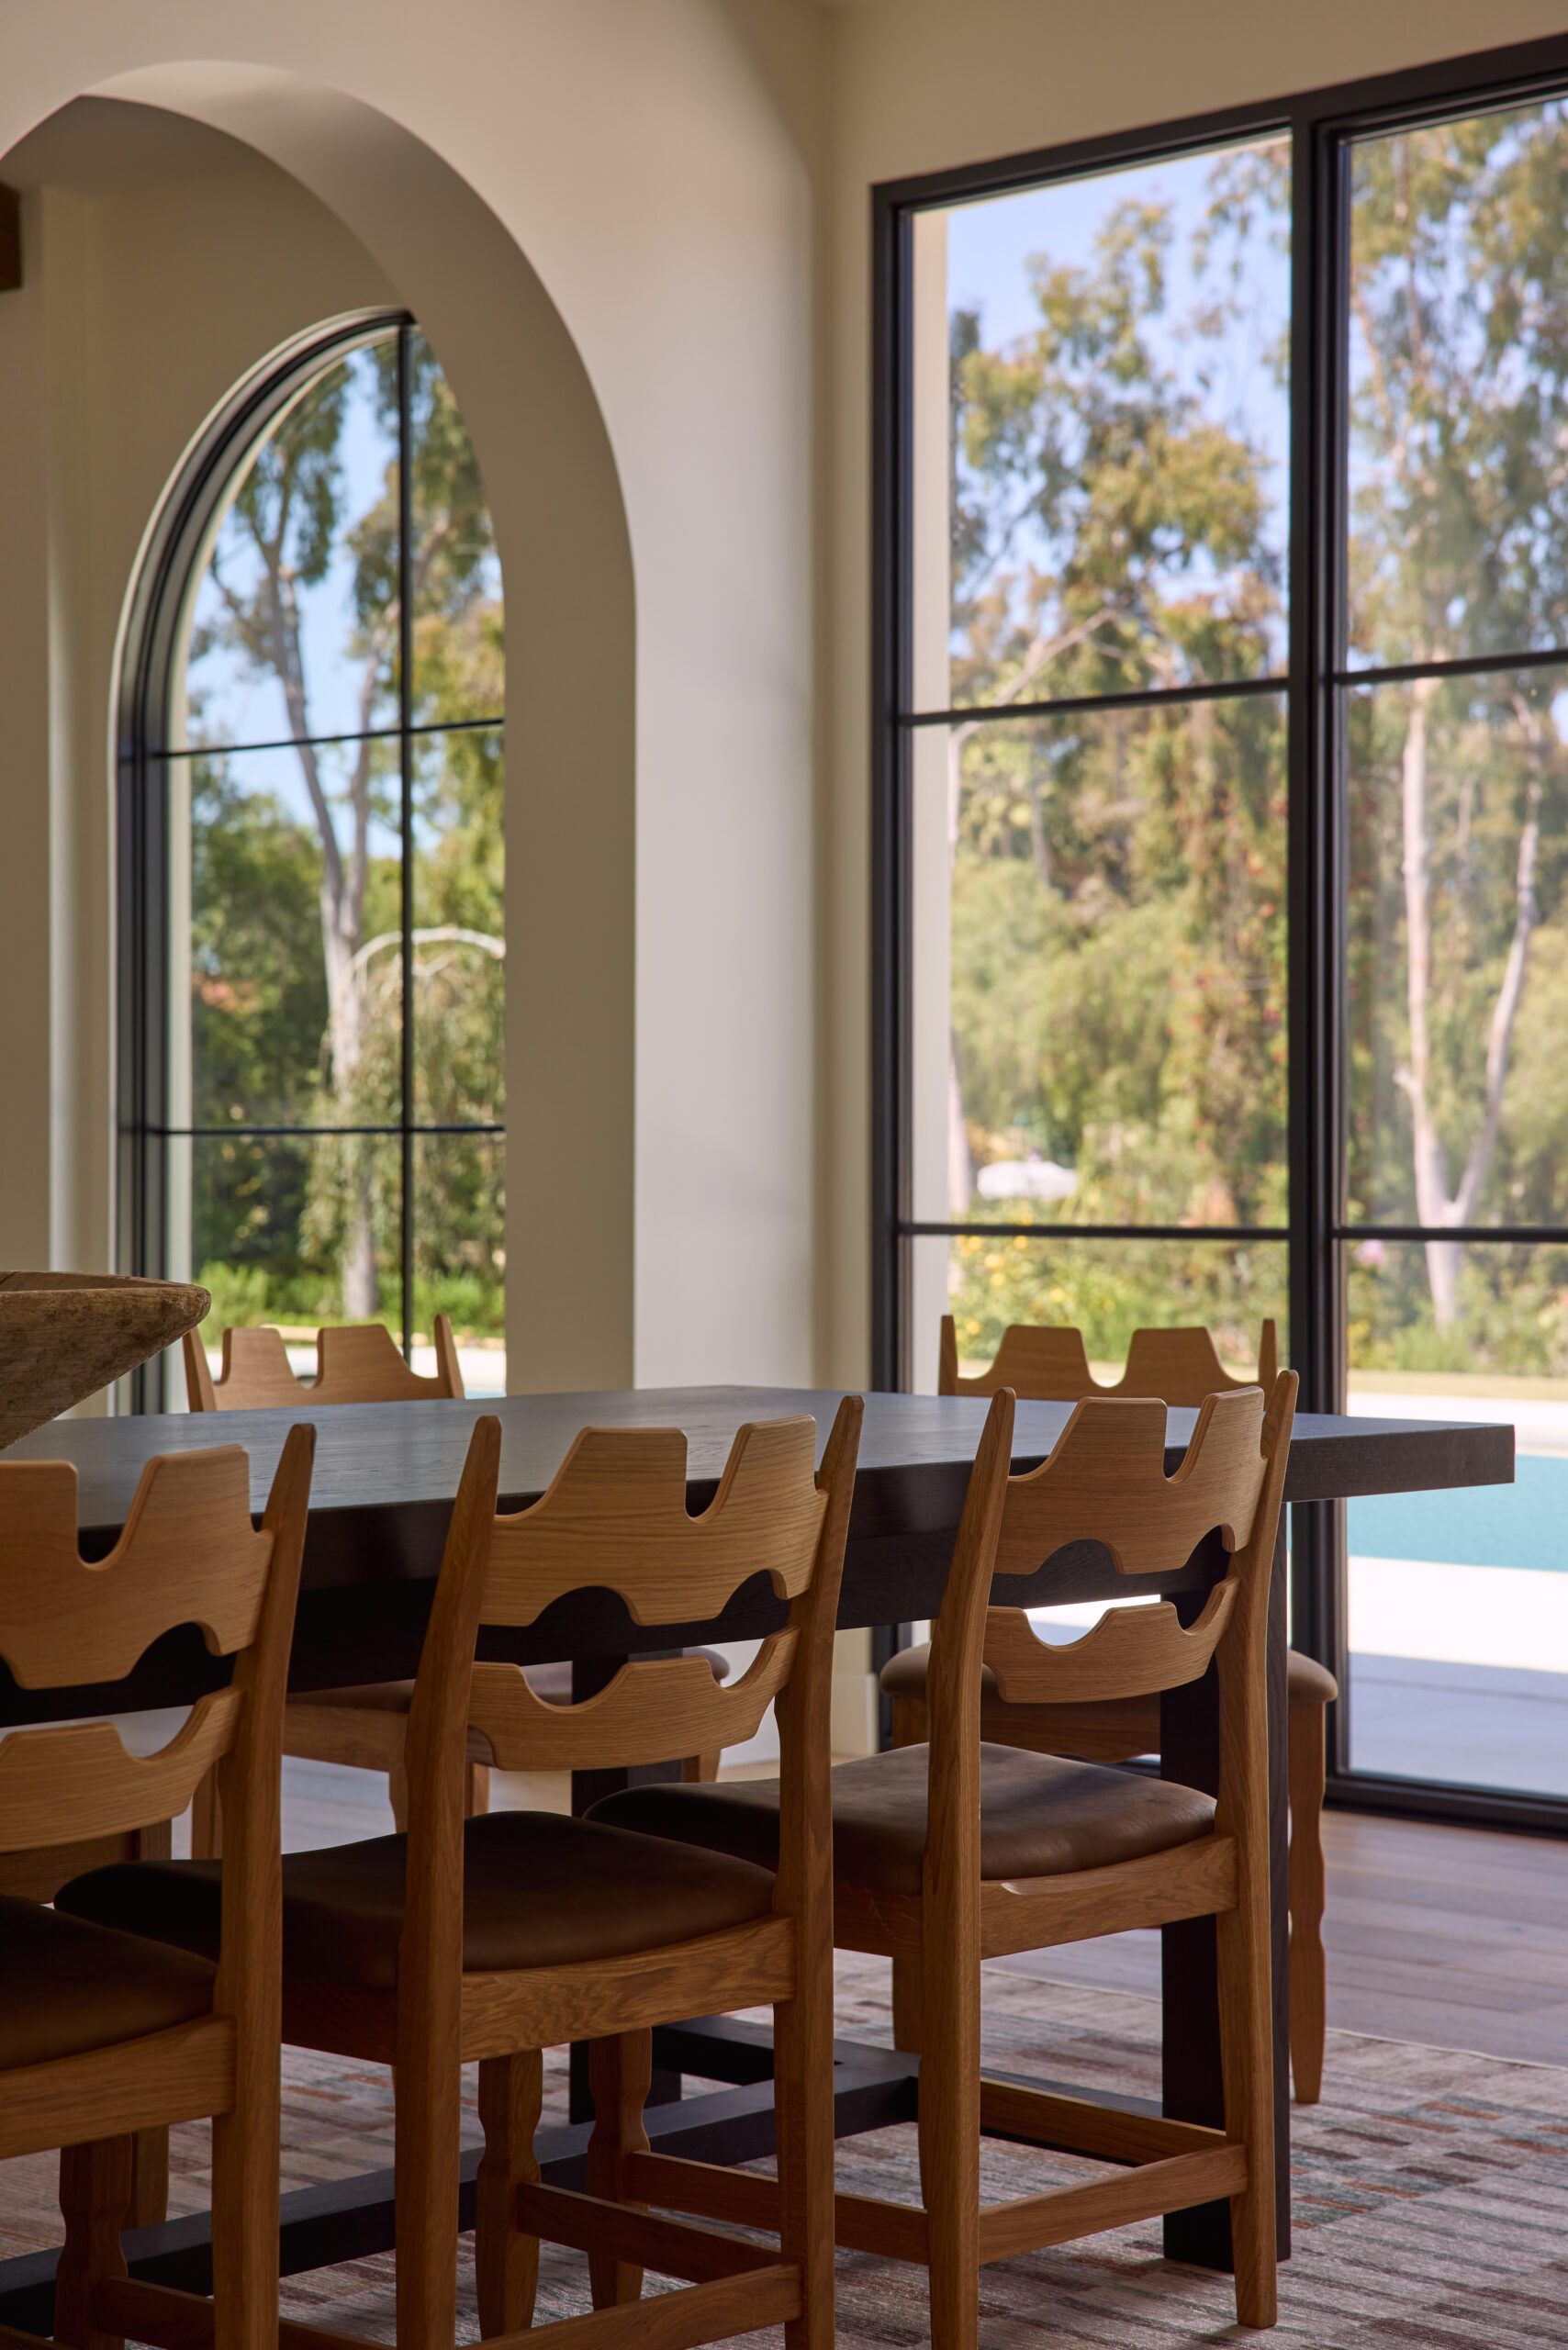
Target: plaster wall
[[601, 211]]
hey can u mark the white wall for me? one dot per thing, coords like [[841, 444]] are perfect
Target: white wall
[[601, 211], [107, 368]]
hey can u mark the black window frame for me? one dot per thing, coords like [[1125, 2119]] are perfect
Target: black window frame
[[166, 578], [1320, 124]]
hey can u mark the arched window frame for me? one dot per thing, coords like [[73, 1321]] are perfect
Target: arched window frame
[[179, 544]]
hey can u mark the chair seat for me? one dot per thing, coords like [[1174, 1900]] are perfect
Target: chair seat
[[1040, 1816], [1308, 1681], [67, 1986], [539, 1890], [551, 1682]]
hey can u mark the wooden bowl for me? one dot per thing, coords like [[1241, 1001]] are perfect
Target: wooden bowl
[[63, 1336]]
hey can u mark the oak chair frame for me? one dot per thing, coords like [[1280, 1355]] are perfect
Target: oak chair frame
[[359, 1363], [189, 1552], [1104, 1480], [1048, 1363], [614, 1517]]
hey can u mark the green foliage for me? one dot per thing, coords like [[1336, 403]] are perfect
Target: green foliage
[[1118, 918], [297, 956]]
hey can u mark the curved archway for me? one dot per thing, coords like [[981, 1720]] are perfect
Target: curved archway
[[562, 537]]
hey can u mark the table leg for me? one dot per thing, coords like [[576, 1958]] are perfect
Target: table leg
[[1190, 1753]]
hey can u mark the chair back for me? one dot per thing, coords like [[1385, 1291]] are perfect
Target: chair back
[[1047, 1363], [615, 1518], [189, 1554], [359, 1363], [1104, 1481]]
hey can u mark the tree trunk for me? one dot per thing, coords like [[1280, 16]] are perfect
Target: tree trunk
[[346, 1041]]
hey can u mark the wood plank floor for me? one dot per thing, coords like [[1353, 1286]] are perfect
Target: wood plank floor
[[1452, 1937]]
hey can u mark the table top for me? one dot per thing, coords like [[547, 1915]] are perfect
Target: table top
[[386, 1476], [386, 1465]]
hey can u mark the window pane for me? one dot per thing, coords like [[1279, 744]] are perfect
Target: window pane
[[459, 925], [460, 1250], [1458, 950], [1458, 376], [298, 1231], [293, 979], [1108, 1289], [1111, 465], [458, 658], [1109, 1042], [1459, 1601], [293, 626]]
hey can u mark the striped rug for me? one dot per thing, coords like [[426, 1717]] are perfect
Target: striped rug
[[1431, 2198]]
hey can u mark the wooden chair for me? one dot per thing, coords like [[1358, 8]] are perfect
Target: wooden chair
[[495, 1938], [960, 1851], [1049, 1364], [364, 1728], [103, 2035]]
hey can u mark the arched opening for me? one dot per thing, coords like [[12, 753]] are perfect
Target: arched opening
[[560, 537], [311, 900]]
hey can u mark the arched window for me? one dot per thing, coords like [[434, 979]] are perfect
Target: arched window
[[312, 857]]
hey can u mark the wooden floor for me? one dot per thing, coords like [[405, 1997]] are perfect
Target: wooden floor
[[1454, 1937]]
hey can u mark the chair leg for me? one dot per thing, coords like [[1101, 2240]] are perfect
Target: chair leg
[[908, 2001], [476, 1790], [949, 2148], [427, 2098], [1309, 1986], [619, 2072], [150, 2179], [207, 1821], [94, 2201], [506, 2261], [1247, 2057], [802, 2074]]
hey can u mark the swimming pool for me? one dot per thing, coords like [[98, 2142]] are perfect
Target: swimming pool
[[1522, 1525]]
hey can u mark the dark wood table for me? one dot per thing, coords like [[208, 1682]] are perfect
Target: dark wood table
[[385, 1477]]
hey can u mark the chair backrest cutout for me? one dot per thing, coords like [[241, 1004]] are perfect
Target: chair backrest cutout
[[616, 1518], [189, 1554], [358, 1363], [1047, 1363]]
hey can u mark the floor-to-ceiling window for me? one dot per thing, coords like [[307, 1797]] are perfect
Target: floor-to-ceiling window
[[312, 862], [1223, 816]]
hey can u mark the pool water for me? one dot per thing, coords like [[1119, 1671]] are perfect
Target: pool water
[[1522, 1525]]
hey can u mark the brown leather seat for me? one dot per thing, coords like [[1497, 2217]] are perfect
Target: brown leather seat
[[1040, 1816], [538, 1890], [551, 1682], [1309, 1682], [66, 1987]]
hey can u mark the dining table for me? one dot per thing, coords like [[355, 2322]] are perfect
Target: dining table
[[385, 1477]]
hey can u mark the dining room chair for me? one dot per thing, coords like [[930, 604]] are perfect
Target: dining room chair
[[492, 1939], [105, 2035], [960, 1850], [1048, 1363], [364, 1726]]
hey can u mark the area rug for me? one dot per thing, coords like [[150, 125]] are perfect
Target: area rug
[[1430, 2204]]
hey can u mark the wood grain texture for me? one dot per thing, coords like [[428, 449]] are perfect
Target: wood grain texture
[[187, 1554], [65, 1785], [357, 1363], [226, 2064], [1229, 1488], [617, 1514]]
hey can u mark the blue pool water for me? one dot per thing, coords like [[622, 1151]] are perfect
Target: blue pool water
[[1522, 1525]]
